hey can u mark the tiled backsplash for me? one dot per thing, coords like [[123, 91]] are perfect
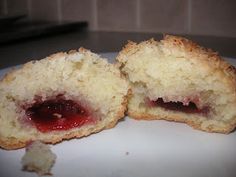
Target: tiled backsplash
[[201, 17]]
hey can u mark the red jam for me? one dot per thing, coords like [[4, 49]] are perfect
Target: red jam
[[58, 114], [179, 106]]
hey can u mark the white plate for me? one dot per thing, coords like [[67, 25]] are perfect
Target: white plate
[[138, 149]]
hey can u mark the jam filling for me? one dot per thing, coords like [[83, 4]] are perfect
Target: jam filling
[[179, 106], [58, 114]]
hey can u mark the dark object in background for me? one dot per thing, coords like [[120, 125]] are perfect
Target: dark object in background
[[17, 27], [7, 20]]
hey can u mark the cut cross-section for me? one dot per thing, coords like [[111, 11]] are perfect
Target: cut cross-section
[[191, 107]]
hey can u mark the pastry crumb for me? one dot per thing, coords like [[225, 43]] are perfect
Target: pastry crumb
[[38, 158]]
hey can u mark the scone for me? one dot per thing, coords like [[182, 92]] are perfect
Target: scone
[[63, 96], [177, 80]]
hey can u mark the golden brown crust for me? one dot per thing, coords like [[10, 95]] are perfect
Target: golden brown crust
[[193, 51], [132, 47], [175, 118], [12, 144]]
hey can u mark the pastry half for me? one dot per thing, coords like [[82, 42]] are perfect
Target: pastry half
[[63, 96], [177, 80]]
